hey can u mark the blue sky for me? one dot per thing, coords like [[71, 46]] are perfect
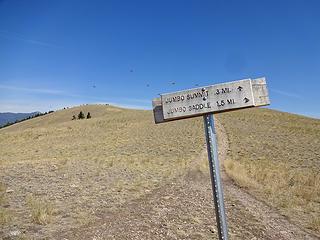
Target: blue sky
[[63, 53]]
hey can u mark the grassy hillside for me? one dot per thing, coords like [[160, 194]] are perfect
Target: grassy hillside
[[68, 172], [276, 156], [59, 173]]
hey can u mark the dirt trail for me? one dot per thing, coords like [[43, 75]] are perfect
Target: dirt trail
[[276, 226], [183, 209]]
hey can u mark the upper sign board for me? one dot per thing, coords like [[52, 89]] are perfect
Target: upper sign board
[[211, 99], [214, 98]]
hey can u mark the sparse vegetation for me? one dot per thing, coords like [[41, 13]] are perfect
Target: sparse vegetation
[[41, 209], [238, 173], [5, 216], [277, 156], [88, 169], [2, 191], [93, 166]]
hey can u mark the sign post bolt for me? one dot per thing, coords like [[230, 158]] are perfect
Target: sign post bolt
[[217, 190]]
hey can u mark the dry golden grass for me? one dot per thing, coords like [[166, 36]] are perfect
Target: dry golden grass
[[5, 215], [277, 156], [90, 167], [238, 173], [41, 209], [2, 193]]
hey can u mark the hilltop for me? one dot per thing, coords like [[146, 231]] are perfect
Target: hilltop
[[120, 176]]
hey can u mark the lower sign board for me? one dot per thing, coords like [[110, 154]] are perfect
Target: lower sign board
[[211, 99]]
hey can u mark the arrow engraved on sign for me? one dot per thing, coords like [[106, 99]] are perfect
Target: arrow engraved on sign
[[221, 97]]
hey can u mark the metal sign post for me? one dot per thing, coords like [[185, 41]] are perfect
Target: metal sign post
[[212, 148], [203, 102]]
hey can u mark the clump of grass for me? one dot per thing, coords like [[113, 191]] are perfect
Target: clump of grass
[[62, 164], [5, 216], [239, 174], [2, 191], [314, 223], [2, 187], [110, 163], [41, 210]]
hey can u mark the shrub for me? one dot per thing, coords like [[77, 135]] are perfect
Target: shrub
[[88, 115], [81, 115]]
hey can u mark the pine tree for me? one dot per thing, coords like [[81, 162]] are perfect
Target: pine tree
[[81, 115], [88, 115]]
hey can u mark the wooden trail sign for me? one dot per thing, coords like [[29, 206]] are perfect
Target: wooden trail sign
[[211, 99], [205, 101]]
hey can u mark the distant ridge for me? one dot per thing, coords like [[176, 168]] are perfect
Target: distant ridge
[[8, 117]]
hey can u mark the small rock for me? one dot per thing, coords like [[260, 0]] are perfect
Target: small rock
[[9, 190], [283, 232], [14, 233]]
